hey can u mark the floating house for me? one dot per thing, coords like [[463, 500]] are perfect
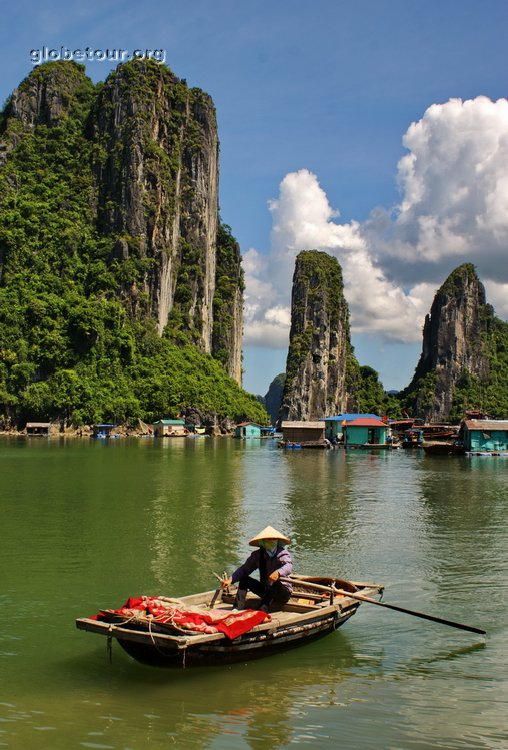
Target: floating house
[[248, 430], [484, 435], [37, 428], [102, 430], [310, 434], [169, 428], [365, 432], [334, 430]]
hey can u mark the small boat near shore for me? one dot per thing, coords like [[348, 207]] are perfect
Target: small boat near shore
[[443, 447], [190, 630], [428, 433]]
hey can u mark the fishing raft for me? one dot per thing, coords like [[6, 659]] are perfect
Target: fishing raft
[[195, 630]]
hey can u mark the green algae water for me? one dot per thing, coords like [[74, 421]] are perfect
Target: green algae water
[[85, 524]]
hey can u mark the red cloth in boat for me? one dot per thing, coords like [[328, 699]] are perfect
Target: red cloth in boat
[[232, 624]]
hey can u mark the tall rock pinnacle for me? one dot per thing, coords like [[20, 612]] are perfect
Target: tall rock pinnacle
[[455, 347], [157, 172], [321, 370]]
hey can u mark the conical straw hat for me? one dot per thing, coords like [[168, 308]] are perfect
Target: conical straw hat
[[268, 533]]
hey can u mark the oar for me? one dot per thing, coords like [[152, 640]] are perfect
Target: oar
[[367, 599], [214, 598], [451, 623]]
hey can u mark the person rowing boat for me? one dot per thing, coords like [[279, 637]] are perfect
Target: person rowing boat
[[274, 562]]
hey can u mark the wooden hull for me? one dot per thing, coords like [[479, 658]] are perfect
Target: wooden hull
[[300, 623], [439, 448], [254, 647]]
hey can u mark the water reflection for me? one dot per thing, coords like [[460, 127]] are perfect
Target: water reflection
[[466, 534], [419, 664], [337, 503], [318, 508], [193, 513], [254, 705]]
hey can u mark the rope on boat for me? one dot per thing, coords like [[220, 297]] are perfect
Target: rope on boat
[[166, 619], [157, 648]]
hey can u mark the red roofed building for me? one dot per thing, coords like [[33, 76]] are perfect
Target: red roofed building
[[365, 432]]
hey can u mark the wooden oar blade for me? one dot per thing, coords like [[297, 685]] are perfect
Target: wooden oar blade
[[214, 598], [422, 615]]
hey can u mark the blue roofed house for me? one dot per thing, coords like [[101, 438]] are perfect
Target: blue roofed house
[[102, 430]]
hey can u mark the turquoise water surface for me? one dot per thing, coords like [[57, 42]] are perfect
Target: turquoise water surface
[[86, 523]]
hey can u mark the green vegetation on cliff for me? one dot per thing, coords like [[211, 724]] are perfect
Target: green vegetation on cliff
[[273, 398], [320, 275], [372, 398], [321, 356], [71, 345], [455, 283], [490, 395], [228, 289], [464, 361]]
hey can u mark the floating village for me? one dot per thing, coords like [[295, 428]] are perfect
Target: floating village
[[476, 435]]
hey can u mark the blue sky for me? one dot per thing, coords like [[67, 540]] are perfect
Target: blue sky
[[313, 103]]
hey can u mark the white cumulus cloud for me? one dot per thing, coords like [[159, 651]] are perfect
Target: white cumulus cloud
[[453, 209], [454, 186], [303, 220]]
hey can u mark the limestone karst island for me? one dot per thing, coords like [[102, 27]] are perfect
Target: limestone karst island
[[121, 290]]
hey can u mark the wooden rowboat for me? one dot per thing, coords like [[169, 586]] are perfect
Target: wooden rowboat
[[314, 610], [443, 448]]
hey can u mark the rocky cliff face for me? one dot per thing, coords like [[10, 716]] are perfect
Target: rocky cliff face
[[455, 348], [45, 98], [154, 193], [273, 398], [157, 174], [321, 369], [227, 333]]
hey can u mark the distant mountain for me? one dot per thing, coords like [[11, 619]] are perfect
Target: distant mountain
[[273, 398], [464, 360]]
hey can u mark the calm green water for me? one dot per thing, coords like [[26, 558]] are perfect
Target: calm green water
[[85, 524]]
